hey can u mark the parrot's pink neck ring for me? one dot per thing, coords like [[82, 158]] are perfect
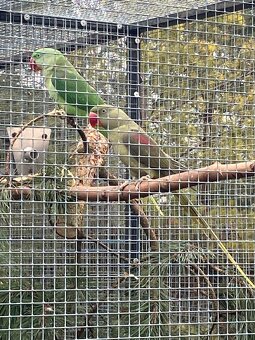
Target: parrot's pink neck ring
[[34, 67], [94, 119]]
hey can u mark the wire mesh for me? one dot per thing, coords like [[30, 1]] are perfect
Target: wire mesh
[[91, 248]]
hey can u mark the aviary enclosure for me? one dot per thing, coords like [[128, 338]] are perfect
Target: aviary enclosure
[[91, 247]]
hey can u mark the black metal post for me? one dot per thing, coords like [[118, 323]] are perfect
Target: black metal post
[[132, 233]]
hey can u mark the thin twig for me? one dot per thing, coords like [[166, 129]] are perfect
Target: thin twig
[[216, 268], [78, 254], [202, 274], [95, 306], [198, 270], [150, 233], [101, 244], [82, 238], [137, 210]]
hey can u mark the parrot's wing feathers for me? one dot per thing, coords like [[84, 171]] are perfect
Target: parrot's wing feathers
[[73, 89], [146, 151]]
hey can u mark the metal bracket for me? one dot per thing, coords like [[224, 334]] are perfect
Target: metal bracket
[[30, 148]]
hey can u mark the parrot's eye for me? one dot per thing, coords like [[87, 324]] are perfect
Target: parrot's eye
[[103, 111]]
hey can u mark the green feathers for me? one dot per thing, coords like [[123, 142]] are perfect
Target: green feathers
[[65, 85]]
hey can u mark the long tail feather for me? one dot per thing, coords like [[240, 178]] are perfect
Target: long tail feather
[[155, 204], [186, 202]]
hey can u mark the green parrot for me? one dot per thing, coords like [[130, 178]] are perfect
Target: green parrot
[[136, 149], [143, 156], [65, 85]]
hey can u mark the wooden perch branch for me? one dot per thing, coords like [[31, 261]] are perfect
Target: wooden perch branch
[[213, 173]]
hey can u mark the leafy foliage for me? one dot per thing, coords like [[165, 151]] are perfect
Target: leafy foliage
[[154, 301]]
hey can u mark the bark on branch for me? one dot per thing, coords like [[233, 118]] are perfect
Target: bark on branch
[[213, 173]]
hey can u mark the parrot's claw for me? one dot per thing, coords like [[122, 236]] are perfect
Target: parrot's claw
[[123, 185], [136, 262], [127, 275], [138, 184], [57, 112]]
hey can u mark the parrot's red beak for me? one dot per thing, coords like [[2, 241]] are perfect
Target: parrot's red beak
[[94, 119], [34, 67]]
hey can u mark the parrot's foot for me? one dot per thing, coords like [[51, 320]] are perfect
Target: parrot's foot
[[123, 185], [57, 112], [140, 180]]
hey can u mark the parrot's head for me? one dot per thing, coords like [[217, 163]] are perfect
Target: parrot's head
[[107, 117], [45, 58]]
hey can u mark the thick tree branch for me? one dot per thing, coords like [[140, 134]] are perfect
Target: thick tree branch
[[213, 173]]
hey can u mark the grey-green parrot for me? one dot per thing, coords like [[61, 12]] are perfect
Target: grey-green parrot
[[143, 156], [139, 152], [65, 85]]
